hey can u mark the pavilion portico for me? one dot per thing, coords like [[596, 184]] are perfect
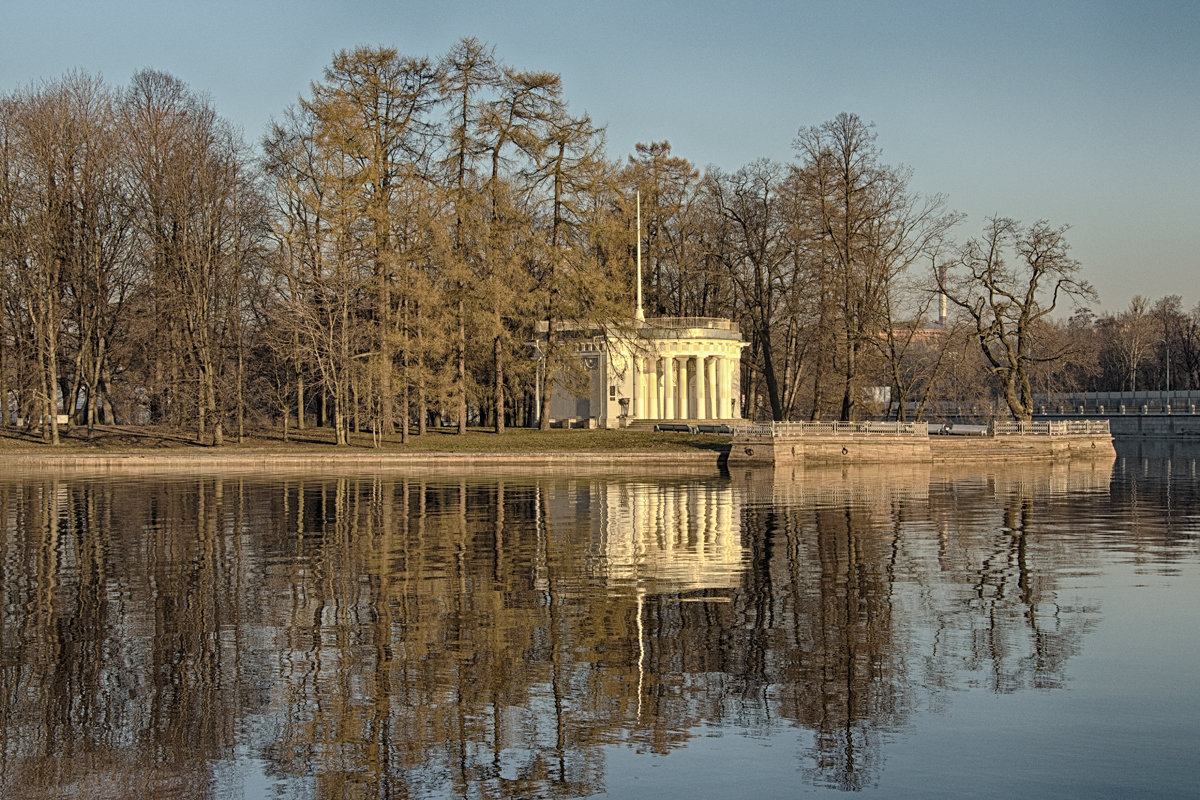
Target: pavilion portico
[[692, 371], [672, 369]]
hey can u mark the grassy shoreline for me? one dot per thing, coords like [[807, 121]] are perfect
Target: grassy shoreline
[[117, 444]]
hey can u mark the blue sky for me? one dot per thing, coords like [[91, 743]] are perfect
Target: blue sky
[[1083, 113]]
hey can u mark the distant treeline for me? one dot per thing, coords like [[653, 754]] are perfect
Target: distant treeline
[[381, 260]]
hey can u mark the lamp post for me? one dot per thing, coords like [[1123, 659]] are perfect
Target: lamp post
[[1167, 393], [537, 383]]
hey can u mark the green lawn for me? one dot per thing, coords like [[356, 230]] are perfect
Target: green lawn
[[476, 440]]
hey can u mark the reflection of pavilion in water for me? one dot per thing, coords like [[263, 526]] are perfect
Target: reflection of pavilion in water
[[362, 608], [666, 537]]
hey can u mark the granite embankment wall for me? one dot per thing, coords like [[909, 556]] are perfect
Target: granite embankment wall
[[1153, 413], [866, 449], [835, 448]]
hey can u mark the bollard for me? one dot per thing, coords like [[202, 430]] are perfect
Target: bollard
[[1122, 408], [1145, 409], [1101, 409]]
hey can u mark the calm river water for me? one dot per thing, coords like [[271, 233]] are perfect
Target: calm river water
[[982, 631]]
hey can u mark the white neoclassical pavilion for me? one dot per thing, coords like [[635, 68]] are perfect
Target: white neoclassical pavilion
[[690, 372], [672, 369]]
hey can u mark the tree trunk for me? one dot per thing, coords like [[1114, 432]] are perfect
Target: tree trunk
[[241, 400], [299, 400], [405, 406], [422, 394], [849, 402], [4, 408], [546, 378], [462, 369], [339, 425], [498, 361]]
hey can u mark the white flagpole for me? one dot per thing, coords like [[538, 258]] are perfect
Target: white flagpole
[[641, 315]]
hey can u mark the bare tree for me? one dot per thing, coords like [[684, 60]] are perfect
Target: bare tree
[[320, 288], [1008, 281], [373, 110], [676, 281], [872, 230], [469, 70], [510, 121], [1133, 339], [191, 179], [569, 173], [103, 278], [916, 350], [57, 151], [750, 244]]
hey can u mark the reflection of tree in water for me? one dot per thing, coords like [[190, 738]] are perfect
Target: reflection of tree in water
[[858, 611], [1018, 635], [459, 667], [103, 677], [391, 636]]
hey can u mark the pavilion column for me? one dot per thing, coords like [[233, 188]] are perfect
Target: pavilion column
[[712, 387], [669, 407], [642, 401], [735, 402], [681, 388], [684, 391], [683, 395], [647, 388], [701, 394], [654, 388], [727, 386], [727, 402], [720, 393], [638, 395]]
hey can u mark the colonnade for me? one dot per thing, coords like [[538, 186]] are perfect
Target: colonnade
[[685, 386]]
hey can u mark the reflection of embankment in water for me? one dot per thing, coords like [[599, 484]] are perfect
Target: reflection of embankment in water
[[829, 483], [880, 484], [1178, 452]]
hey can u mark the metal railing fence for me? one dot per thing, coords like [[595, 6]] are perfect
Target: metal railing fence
[[1090, 427], [1053, 427], [830, 428]]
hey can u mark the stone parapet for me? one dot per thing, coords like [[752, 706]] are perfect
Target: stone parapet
[[750, 449], [837, 448]]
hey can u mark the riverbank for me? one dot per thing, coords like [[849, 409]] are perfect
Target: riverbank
[[149, 450], [162, 449]]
